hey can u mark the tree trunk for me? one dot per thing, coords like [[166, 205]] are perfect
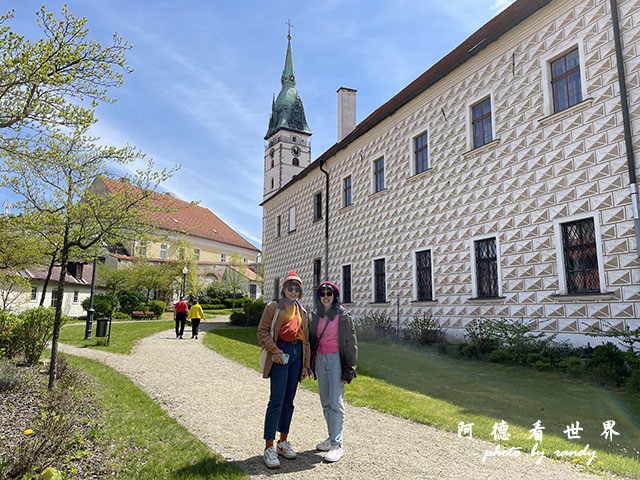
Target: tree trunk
[[46, 280], [58, 319]]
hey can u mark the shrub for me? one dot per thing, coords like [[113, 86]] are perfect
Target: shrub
[[121, 316], [128, 301], [375, 326], [221, 290], [608, 364], [424, 330], [240, 302], [238, 318], [633, 384], [35, 332], [501, 355], [571, 365], [538, 361], [213, 306], [102, 304], [10, 377], [10, 344], [481, 336], [468, 350], [253, 310], [156, 306]]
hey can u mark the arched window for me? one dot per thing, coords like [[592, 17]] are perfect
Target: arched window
[[295, 161]]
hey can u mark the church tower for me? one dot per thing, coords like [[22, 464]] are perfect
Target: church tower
[[288, 150]]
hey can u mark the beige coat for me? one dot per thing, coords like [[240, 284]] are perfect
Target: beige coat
[[269, 343]]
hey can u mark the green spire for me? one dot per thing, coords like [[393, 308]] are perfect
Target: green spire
[[287, 112]]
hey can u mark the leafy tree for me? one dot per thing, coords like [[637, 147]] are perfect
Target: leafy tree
[[235, 277], [13, 286], [17, 249], [55, 178], [43, 84]]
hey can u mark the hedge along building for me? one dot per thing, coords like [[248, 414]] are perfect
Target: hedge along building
[[497, 184]]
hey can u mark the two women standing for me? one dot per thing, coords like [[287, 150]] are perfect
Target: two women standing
[[284, 333]]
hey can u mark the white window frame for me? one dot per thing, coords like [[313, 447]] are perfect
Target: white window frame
[[292, 219], [164, 250], [196, 252], [223, 257], [470, 103], [76, 296], [472, 247], [34, 294], [373, 279], [414, 261], [412, 154], [344, 179], [560, 50], [562, 273], [373, 174]]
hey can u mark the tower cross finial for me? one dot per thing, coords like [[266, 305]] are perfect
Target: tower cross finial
[[289, 25]]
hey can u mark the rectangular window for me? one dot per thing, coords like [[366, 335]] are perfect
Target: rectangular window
[[142, 250], [181, 253], [580, 256], [223, 257], [346, 192], [76, 295], [486, 268], [565, 81], [378, 174], [54, 298], [379, 281], [292, 219], [276, 288], [278, 225], [346, 283], [196, 253], [317, 207], [424, 288], [421, 153], [164, 250], [34, 294], [317, 273], [252, 291], [481, 123]]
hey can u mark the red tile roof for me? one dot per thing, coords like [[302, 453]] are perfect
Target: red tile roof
[[187, 218], [516, 13]]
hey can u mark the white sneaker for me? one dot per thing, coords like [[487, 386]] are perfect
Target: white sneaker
[[284, 449], [334, 454], [324, 446], [270, 458]]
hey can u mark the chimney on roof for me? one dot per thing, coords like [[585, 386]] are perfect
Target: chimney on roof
[[346, 111]]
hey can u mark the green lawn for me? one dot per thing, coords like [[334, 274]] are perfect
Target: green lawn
[[425, 387], [123, 335], [153, 444]]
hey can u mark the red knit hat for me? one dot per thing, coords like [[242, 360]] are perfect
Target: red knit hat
[[292, 276]]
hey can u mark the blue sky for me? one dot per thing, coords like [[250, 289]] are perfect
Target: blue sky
[[205, 72]]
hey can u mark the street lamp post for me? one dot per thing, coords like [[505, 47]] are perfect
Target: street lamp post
[[185, 270], [91, 311]]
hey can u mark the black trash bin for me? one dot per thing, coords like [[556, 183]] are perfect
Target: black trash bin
[[101, 327]]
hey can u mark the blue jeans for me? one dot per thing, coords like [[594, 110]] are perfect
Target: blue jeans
[[329, 373], [284, 384]]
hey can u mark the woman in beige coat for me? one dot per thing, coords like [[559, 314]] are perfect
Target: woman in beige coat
[[287, 363]]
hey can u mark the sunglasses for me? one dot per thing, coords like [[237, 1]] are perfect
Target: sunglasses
[[291, 289], [328, 293]]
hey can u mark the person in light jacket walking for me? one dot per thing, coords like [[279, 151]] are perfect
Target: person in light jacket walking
[[195, 315], [287, 364], [333, 336]]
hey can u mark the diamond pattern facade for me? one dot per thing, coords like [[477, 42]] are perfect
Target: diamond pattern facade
[[540, 171]]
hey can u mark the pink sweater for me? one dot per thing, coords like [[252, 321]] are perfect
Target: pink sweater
[[329, 341]]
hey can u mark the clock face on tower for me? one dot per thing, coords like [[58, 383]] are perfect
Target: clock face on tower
[[296, 150]]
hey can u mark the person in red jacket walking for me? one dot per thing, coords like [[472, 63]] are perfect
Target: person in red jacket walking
[[180, 311]]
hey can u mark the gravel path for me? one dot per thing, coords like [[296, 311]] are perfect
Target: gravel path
[[223, 404]]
